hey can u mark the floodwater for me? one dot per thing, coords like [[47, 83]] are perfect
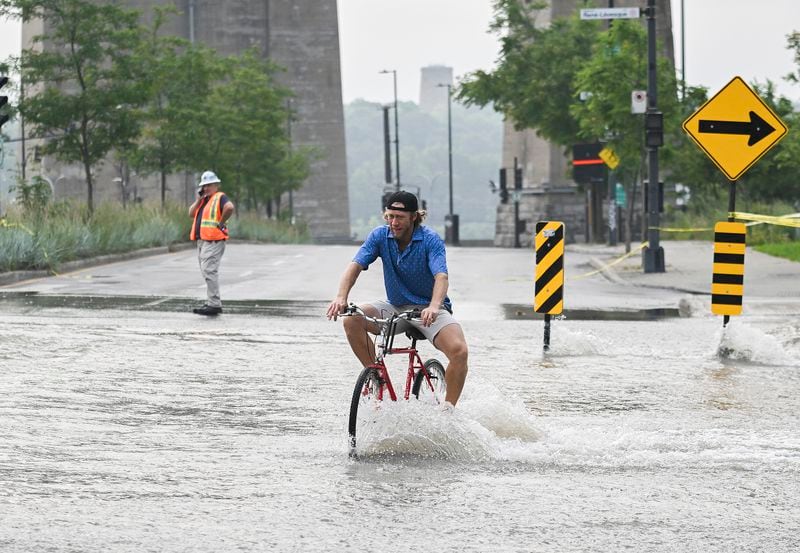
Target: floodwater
[[126, 430]]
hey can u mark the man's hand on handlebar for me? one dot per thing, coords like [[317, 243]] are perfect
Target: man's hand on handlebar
[[336, 307]]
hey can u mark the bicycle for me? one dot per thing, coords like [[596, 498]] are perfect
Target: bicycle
[[422, 379]]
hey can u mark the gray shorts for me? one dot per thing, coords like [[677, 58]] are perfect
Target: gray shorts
[[443, 318]]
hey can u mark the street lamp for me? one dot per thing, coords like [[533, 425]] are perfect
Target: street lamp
[[396, 129], [451, 221]]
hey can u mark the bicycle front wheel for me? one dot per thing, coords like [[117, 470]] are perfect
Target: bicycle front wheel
[[433, 388], [363, 407]]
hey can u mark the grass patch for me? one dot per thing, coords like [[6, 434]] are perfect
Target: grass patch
[[702, 223], [786, 250], [251, 226], [51, 234]]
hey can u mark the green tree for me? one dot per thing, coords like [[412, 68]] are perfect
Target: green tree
[[81, 84], [776, 176], [246, 138], [619, 65], [179, 78], [534, 83]]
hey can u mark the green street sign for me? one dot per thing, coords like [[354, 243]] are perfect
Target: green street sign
[[619, 191]]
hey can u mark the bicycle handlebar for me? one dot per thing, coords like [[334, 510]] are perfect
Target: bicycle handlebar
[[352, 310]]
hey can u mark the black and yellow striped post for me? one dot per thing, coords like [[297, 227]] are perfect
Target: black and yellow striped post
[[727, 282], [549, 288]]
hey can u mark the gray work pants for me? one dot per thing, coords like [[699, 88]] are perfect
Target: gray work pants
[[209, 254]]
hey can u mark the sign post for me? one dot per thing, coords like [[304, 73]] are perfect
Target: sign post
[[549, 287], [653, 253], [735, 128], [612, 161]]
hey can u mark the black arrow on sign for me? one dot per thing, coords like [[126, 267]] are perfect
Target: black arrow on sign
[[756, 128]]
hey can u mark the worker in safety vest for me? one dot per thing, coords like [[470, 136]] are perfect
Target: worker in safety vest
[[210, 212]]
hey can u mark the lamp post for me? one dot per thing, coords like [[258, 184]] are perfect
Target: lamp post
[[451, 221], [396, 129], [653, 253]]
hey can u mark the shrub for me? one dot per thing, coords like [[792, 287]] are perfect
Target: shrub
[[43, 235]]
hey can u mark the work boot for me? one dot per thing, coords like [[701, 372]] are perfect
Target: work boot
[[208, 310]]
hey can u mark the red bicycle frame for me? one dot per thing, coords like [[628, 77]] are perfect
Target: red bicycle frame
[[414, 364]]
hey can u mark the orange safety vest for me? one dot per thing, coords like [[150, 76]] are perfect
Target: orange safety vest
[[209, 220]]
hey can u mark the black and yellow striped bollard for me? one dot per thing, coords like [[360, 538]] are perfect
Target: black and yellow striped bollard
[[727, 282], [549, 287]]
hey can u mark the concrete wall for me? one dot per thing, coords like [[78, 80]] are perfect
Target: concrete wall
[[304, 38]]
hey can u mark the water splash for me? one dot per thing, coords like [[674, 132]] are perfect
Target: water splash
[[572, 343], [481, 428], [694, 306], [506, 416], [741, 342]]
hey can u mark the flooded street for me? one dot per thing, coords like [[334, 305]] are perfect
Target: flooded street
[[134, 430]]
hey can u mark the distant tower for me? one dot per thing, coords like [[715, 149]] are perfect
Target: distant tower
[[299, 35], [432, 97], [551, 193]]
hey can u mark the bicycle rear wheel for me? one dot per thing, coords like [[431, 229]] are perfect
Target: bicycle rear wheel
[[432, 389], [363, 406]]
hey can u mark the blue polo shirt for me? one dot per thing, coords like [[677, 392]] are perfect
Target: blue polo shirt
[[407, 275]]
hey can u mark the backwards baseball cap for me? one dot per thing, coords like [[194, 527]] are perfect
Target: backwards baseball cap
[[402, 201]]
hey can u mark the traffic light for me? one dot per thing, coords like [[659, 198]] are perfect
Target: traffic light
[[518, 178], [4, 117], [503, 187], [654, 129], [587, 165]]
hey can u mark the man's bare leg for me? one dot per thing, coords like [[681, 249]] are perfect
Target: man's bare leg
[[357, 331], [452, 343]]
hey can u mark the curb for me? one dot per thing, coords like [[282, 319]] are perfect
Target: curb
[[12, 277]]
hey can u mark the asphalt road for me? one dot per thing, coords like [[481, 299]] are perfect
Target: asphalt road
[[480, 278]]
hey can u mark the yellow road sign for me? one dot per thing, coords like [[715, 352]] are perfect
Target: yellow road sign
[[610, 158], [727, 282], [735, 128], [549, 286]]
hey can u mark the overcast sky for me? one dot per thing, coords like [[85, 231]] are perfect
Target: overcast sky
[[724, 38]]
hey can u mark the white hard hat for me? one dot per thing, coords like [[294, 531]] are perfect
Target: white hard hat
[[209, 177]]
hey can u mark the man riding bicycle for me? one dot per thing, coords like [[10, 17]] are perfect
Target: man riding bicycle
[[415, 276]]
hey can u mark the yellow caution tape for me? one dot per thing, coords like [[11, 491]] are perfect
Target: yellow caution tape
[[6, 224], [611, 264], [670, 229], [785, 220]]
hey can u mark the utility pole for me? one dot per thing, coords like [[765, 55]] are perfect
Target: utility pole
[[289, 151], [653, 254], [396, 130], [610, 192], [387, 147], [451, 221], [517, 196]]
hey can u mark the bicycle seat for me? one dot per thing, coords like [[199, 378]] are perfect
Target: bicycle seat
[[414, 334]]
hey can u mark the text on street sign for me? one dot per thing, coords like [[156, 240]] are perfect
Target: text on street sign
[[610, 13]]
